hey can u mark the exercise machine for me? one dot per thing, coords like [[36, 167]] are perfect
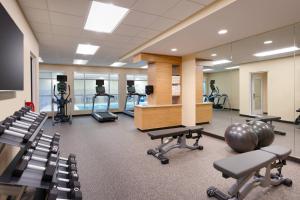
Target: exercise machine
[[168, 135], [219, 100], [102, 116], [131, 94], [62, 115], [246, 167]]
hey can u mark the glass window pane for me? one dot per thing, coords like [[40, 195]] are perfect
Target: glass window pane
[[140, 86], [78, 87], [44, 74], [45, 87], [129, 77], [96, 76], [79, 102], [114, 77], [78, 75], [141, 77]]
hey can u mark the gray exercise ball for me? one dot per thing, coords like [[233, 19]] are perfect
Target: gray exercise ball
[[264, 133], [241, 138]]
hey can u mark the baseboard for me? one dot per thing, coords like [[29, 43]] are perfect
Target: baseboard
[[282, 121], [290, 158], [162, 128]]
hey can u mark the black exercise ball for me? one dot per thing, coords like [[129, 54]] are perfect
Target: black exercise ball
[[241, 138], [264, 133]]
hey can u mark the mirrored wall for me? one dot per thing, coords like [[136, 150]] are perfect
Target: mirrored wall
[[258, 75]]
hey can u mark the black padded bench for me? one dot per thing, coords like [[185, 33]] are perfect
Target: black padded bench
[[268, 119], [245, 168], [181, 134]]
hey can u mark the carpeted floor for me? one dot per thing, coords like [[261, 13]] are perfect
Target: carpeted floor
[[223, 118], [113, 165]]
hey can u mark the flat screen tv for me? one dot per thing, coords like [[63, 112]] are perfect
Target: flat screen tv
[[11, 53]]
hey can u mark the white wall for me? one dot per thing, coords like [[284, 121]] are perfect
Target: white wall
[[12, 101], [228, 83], [281, 86]]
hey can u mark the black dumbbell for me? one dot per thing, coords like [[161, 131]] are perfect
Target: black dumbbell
[[28, 110], [16, 122], [23, 164], [54, 140], [73, 193], [71, 162], [23, 116], [52, 148], [4, 130]]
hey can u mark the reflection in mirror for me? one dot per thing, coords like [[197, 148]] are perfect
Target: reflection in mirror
[[260, 76]]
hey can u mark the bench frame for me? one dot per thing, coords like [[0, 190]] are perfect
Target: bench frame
[[160, 151], [244, 185]]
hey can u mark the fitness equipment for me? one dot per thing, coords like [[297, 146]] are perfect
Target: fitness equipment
[[241, 137], [264, 133], [245, 168], [30, 119], [219, 100], [74, 193], [61, 102], [102, 116], [5, 131], [149, 89], [131, 94], [28, 110], [181, 134], [297, 121]]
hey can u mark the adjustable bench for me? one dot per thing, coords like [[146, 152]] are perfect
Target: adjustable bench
[[269, 120], [181, 134], [245, 168]]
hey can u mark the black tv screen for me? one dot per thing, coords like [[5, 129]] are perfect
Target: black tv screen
[[11, 53]]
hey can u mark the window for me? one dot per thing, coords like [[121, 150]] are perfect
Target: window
[[85, 89], [140, 81], [47, 82]]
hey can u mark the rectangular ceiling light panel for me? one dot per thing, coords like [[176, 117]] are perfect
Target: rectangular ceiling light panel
[[80, 62], [277, 51], [220, 62], [86, 49], [104, 17], [117, 64]]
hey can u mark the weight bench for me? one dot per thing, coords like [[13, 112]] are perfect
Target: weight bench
[[269, 120], [245, 168], [181, 134]]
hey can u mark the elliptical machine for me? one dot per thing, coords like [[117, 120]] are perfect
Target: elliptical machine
[[218, 100], [61, 102]]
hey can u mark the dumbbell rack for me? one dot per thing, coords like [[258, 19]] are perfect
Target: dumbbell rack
[[30, 177]]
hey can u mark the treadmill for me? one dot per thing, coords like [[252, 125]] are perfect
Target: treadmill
[[132, 94], [102, 116]]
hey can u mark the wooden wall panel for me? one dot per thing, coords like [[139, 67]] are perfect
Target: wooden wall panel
[[204, 112]]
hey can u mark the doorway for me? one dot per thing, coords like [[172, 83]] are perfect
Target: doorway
[[258, 93]]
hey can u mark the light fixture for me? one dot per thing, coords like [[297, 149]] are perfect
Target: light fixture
[[276, 51], [104, 17], [268, 42], [207, 70], [222, 32], [80, 62], [86, 49], [144, 67], [235, 67], [174, 49], [214, 55], [219, 62], [117, 64], [40, 60]]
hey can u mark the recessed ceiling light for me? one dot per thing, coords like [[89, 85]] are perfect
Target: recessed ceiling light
[[277, 51], [145, 67], [219, 62], [207, 70], [80, 62], [268, 42], [117, 64], [222, 32], [174, 49], [86, 49], [104, 17], [235, 67], [41, 60], [214, 55]]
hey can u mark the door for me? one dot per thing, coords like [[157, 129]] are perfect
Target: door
[[256, 96]]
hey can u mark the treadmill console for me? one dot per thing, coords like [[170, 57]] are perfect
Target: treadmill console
[[130, 87]]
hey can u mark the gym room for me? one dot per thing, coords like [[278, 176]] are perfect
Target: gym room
[[149, 99]]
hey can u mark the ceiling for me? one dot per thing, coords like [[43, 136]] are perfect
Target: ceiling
[[58, 26], [242, 18]]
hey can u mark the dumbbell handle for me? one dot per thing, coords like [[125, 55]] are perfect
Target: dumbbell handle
[[30, 117], [13, 133], [67, 189], [24, 123], [37, 158], [27, 119], [20, 125], [18, 130], [35, 167]]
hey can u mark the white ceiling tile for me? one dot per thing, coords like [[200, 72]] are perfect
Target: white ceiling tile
[[147, 33], [66, 20], [183, 10], [93, 35], [66, 31], [127, 30], [40, 4], [40, 27], [122, 3], [156, 7], [203, 2], [117, 38], [140, 19], [163, 23], [44, 37], [36, 15], [73, 7]]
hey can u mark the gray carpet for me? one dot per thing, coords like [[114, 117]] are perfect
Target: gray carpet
[[223, 118], [113, 165]]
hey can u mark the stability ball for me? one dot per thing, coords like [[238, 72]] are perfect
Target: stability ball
[[264, 133], [241, 138]]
